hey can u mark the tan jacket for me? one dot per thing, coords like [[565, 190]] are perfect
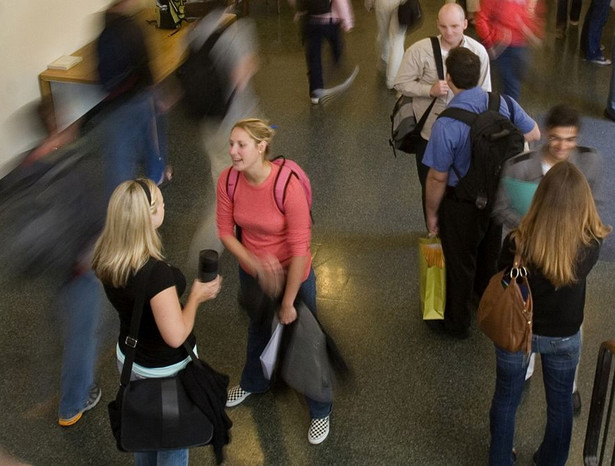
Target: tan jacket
[[418, 73]]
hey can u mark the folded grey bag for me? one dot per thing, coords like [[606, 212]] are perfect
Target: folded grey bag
[[305, 363]]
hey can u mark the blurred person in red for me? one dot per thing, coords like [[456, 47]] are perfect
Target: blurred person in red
[[507, 29]]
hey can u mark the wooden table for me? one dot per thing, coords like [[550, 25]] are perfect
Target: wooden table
[[166, 48]]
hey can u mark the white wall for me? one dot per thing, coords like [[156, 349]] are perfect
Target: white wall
[[35, 33]]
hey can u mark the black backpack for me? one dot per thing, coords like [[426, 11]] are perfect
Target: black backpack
[[494, 140], [51, 211], [205, 87]]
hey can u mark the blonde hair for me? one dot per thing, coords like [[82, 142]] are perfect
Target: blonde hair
[[129, 238], [258, 130], [562, 218]]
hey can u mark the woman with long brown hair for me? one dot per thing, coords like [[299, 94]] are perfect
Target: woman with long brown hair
[[559, 241]]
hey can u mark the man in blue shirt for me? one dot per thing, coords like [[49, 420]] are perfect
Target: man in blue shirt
[[467, 233]]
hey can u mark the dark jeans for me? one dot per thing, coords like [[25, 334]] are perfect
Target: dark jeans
[[562, 12], [559, 358], [511, 67], [471, 245], [313, 35], [594, 22], [421, 169], [259, 333], [610, 103]]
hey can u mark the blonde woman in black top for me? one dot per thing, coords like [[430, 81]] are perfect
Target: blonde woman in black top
[[129, 241]]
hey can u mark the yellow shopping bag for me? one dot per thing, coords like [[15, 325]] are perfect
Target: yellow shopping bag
[[432, 278]]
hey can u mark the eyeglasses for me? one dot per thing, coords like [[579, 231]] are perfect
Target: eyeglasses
[[557, 139]]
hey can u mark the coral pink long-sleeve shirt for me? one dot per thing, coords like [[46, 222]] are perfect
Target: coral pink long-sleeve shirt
[[264, 229]]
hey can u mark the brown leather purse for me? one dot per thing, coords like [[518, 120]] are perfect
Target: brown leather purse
[[505, 310]]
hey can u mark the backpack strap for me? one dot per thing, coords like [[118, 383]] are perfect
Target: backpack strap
[[465, 116], [468, 117], [232, 177], [280, 184], [282, 179], [494, 102], [511, 107]]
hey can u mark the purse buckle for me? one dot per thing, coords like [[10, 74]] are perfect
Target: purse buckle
[[132, 342]]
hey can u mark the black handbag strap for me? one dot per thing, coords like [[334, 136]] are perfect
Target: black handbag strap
[[135, 322]]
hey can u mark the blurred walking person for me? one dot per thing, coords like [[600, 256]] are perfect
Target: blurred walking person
[[508, 29], [235, 56], [391, 36]]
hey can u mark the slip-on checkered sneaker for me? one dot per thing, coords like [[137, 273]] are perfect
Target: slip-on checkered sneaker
[[235, 396], [319, 430]]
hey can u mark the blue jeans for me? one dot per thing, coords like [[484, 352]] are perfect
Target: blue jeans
[[314, 34], [511, 67], [559, 358], [162, 458], [610, 103], [134, 134], [594, 22], [80, 304], [259, 332]]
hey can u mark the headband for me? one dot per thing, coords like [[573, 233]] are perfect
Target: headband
[[148, 194]]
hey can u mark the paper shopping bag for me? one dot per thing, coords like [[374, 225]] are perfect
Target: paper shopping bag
[[269, 356], [432, 278]]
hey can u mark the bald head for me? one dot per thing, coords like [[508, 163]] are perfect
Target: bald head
[[451, 9], [451, 24]]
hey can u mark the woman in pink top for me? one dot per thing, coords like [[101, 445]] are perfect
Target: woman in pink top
[[273, 253]]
